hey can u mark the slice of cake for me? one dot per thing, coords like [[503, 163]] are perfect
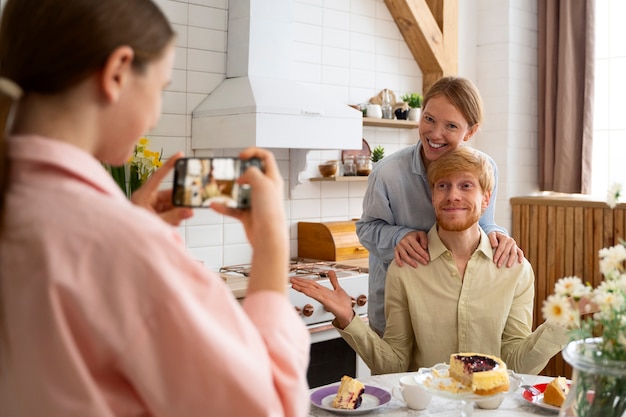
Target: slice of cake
[[484, 374], [556, 391], [349, 394]]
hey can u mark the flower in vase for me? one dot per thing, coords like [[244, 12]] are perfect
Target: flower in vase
[[141, 164]]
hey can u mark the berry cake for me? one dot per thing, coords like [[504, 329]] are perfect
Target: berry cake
[[484, 374], [349, 394]]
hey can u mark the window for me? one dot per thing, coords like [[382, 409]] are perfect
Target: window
[[609, 124]]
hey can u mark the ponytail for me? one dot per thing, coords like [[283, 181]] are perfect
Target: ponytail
[[9, 94]]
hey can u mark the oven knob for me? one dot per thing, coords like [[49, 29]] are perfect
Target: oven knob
[[308, 310], [362, 300]]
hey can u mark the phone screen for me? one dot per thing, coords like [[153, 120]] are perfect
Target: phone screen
[[200, 181]]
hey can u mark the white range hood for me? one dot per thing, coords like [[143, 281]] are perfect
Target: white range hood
[[258, 104]]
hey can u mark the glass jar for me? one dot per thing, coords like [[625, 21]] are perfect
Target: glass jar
[[598, 386], [363, 165], [349, 166], [386, 106]]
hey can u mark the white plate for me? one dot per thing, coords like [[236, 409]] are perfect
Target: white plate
[[372, 399], [537, 400], [437, 381]]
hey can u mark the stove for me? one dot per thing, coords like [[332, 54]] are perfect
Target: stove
[[353, 279]]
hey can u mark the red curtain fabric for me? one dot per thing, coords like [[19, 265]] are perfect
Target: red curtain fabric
[[566, 39]]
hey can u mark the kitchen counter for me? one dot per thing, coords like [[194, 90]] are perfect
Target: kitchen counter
[[512, 406], [238, 284]]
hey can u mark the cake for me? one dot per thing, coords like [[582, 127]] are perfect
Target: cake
[[349, 394], [556, 391], [484, 374]]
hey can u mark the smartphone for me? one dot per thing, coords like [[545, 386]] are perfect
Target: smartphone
[[200, 181]]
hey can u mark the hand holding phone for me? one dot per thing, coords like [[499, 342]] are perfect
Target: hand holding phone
[[200, 181]]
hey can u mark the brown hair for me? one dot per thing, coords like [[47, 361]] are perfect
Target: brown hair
[[48, 46], [462, 159], [463, 95]]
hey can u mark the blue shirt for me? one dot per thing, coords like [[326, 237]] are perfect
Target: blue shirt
[[397, 201]]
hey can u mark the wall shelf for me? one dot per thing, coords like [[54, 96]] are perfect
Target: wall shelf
[[341, 178], [402, 124]]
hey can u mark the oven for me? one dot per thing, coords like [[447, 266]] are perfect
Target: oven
[[331, 356]]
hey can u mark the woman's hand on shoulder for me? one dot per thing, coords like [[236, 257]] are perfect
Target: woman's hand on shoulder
[[412, 249], [158, 201], [506, 249]]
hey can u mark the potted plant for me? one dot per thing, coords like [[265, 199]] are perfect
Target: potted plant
[[414, 100], [378, 153]]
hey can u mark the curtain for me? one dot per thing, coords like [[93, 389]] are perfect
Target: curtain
[[565, 44]]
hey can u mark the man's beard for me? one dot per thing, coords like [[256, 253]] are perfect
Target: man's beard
[[458, 225]]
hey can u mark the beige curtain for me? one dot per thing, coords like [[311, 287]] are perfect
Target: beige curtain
[[566, 41]]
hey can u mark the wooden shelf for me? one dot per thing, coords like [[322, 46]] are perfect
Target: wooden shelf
[[341, 178], [401, 124]]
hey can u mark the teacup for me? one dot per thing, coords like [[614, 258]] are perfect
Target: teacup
[[413, 395], [374, 111]]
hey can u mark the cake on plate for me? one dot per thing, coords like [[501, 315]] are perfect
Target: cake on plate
[[556, 391], [350, 394], [484, 374]]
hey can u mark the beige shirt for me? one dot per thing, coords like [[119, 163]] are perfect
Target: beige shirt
[[432, 313]]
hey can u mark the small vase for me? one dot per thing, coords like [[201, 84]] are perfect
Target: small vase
[[415, 113], [598, 386]]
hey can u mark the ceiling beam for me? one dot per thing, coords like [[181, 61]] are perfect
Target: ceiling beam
[[430, 30]]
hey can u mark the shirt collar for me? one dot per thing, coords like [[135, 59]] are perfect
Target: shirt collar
[[436, 248], [56, 154]]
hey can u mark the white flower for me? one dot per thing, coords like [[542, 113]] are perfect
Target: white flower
[[559, 310], [613, 194], [571, 287], [612, 260]]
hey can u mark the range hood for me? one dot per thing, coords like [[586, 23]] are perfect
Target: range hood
[[258, 104]]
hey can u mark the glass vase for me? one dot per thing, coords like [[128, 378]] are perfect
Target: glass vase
[[598, 387]]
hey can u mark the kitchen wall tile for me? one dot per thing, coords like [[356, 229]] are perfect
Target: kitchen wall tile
[[169, 146], [234, 233], [175, 11], [208, 17], [338, 38], [306, 72], [174, 102], [364, 42], [207, 235], [305, 208], [181, 35], [343, 5], [336, 56], [362, 60], [330, 190], [219, 4], [179, 81], [312, 2], [307, 190], [180, 58], [202, 83], [361, 23], [208, 61], [307, 33], [170, 125], [335, 75], [341, 93], [363, 7], [207, 39], [336, 19], [306, 52], [211, 256], [237, 254], [366, 79], [308, 13]]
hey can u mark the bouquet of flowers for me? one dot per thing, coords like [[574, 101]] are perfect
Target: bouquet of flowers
[[142, 163], [604, 323]]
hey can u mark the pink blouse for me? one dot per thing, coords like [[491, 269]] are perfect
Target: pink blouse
[[105, 313]]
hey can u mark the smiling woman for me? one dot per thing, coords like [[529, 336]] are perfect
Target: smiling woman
[[393, 226]]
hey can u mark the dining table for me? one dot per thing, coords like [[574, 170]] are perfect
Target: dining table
[[513, 405]]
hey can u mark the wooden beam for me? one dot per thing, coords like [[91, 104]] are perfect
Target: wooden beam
[[430, 30]]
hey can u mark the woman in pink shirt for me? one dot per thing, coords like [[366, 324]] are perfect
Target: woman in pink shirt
[[102, 311]]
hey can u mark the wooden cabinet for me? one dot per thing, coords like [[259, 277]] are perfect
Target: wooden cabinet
[[561, 235], [401, 124]]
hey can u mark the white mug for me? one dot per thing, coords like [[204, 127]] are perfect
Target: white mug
[[374, 111], [409, 391]]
